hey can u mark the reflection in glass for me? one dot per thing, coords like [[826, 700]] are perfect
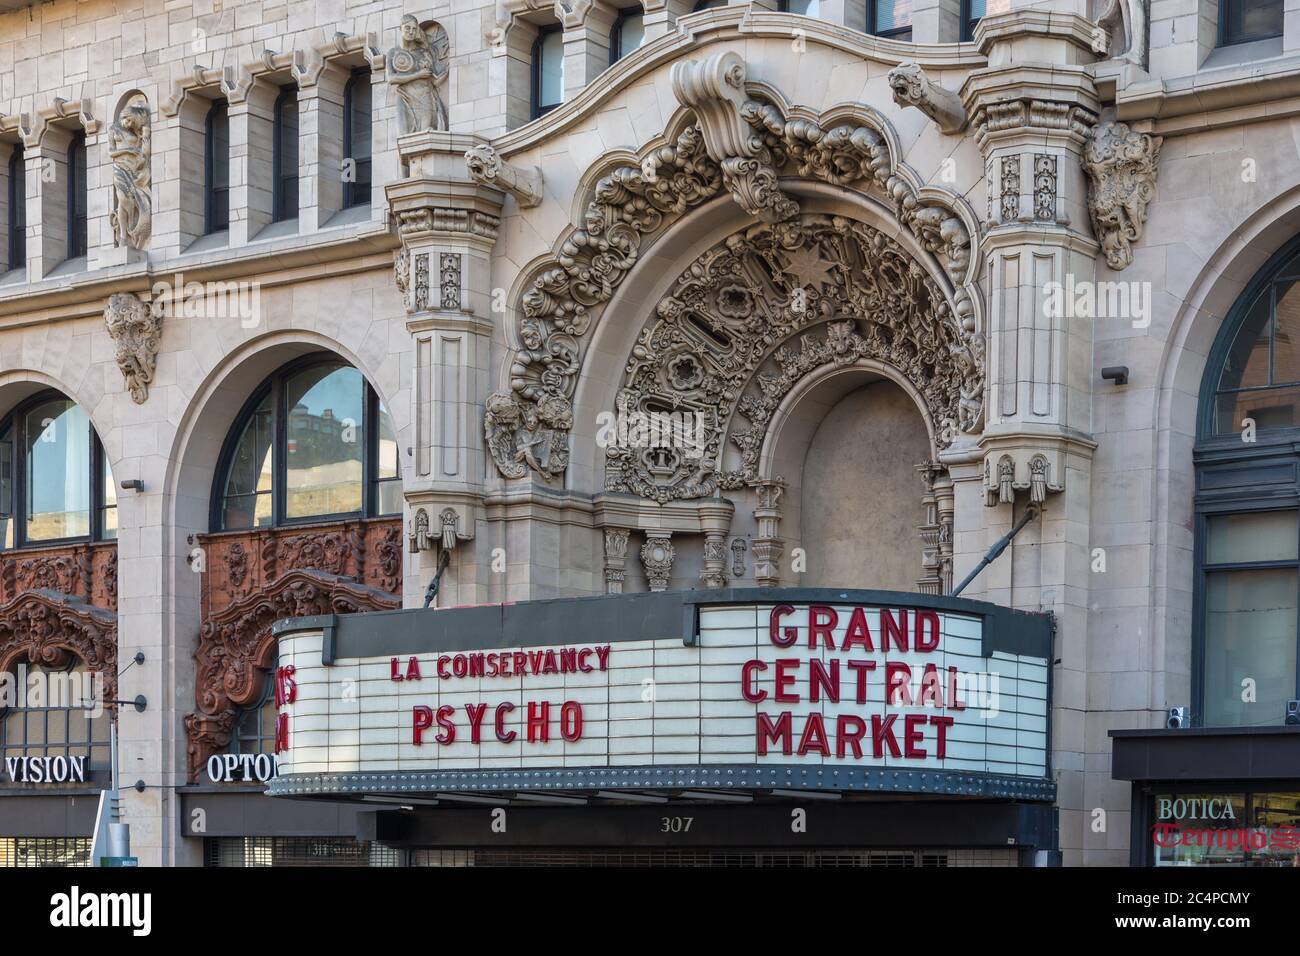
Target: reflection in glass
[[324, 441], [387, 475], [58, 471], [1250, 633], [247, 501]]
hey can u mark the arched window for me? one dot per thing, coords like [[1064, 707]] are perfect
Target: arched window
[[216, 163], [548, 70], [890, 18], [255, 725], [55, 481], [627, 35], [356, 138], [77, 234], [314, 442], [1247, 492], [285, 155], [17, 208]]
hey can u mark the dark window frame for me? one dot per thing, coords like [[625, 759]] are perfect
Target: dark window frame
[[536, 109], [895, 34], [616, 32], [214, 197], [353, 195], [78, 223], [284, 201], [58, 748], [14, 424], [274, 385], [17, 205], [265, 735], [1223, 39]]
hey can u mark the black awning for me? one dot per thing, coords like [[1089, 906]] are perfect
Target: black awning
[[1209, 753]]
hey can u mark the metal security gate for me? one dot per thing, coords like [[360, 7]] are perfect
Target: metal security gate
[[44, 851], [298, 851], [614, 857]]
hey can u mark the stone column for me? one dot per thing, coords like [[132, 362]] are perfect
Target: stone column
[[252, 161], [586, 45], [1033, 109], [447, 223], [661, 16], [768, 544], [615, 559]]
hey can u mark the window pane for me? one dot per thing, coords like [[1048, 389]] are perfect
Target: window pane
[[551, 70], [893, 15], [248, 482], [1250, 633], [809, 8], [386, 466], [358, 147], [58, 471], [287, 156], [324, 441], [1188, 811], [1260, 536], [77, 230], [1286, 333], [6, 489], [1270, 812], [108, 514], [1247, 20], [1246, 365], [977, 9], [218, 168], [1271, 408], [631, 34], [17, 208]]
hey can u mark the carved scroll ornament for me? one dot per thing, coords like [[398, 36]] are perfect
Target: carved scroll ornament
[[737, 143], [136, 329], [44, 627], [758, 313], [1121, 165]]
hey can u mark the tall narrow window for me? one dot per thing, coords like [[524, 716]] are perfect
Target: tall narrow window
[[17, 208], [286, 155], [628, 34], [890, 18], [972, 11], [77, 234], [1243, 21], [548, 71], [216, 206], [356, 139]]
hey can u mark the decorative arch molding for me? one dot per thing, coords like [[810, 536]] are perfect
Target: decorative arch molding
[[43, 626], [744, 140], [237, 644], [757, 314]]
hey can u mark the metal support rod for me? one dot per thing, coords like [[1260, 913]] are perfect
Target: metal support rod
[[1030, 514], [431, 592]]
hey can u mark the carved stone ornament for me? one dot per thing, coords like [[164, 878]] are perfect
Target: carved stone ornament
[[236, 647], [136, 330], [911, 87], [1128, 17], [657, 554], [1121, 166], [417, 70], [761, 311], [739, 144], [486, 166], [43, 627], [402, 275], [131, 154]]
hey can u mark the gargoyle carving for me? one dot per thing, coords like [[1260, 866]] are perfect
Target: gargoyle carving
[[911, 87], [486, 166], [1121, 165], [136, 330]]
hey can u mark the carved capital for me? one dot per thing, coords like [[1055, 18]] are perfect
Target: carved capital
[[487, 167], [911, 87], [136, 330], [1121, 165]]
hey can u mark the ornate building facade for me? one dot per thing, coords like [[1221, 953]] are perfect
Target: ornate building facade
[[307, 303]]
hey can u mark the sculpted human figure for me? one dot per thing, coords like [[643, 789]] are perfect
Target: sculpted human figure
[[416, 69], [129, 151]]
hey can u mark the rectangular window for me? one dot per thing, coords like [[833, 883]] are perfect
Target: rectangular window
[[548, 71], [77, 234], [17, 208], [1251, 584], [356, 139], [286, 155], [108, 502], [1244, 21], [972, 11], [1225, 828], [890, 18], [217, 163]]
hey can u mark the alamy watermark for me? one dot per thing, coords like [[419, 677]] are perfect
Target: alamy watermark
[[686, 432], [1088, 299], [234, 299]]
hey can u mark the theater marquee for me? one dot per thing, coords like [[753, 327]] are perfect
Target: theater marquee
[[746, 689]]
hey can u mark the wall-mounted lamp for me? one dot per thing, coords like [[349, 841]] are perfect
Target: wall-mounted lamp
[[1115, 373]]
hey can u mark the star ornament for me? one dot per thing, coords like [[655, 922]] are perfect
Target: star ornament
[[808, 267]]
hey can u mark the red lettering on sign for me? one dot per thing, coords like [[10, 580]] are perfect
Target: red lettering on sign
[[779, 636], [748, 680]]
